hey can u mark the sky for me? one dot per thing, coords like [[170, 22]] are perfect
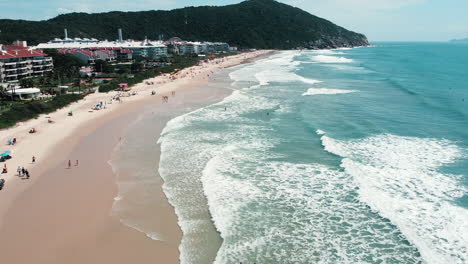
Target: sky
[[379, 20]]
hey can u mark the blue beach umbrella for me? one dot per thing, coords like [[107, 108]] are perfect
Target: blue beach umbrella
[[6, 153]]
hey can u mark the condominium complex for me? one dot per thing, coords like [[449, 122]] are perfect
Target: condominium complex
[[18, 61], [146, 48], [89, 56]]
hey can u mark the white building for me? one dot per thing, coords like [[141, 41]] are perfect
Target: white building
[[19, 61], [146, 48], [25, 93]]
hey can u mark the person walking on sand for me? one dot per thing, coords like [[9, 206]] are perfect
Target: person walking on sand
[[19, 171], [33, 159], [23, 171], [27, 174], [76, 164], [69, 164]]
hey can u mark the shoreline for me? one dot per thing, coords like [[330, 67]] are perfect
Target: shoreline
[[142, 203], [64, 138]]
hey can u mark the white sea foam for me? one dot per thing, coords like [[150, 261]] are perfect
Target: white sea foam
[[282, 63], [331, 59], [250, 199], [186, 146], [320, 132], [399, 177], [317, 91], [266, 210], [267, 76], [329, 52], [277, 68]]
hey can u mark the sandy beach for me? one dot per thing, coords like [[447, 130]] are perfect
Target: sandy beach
[[64, 215]]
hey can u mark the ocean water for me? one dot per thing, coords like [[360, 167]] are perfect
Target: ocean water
[[333, 156]]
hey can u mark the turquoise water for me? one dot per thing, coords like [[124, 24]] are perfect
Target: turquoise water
[[337, 156]]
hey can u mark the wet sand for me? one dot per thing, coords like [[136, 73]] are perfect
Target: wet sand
[[64, 215], [68, 218]]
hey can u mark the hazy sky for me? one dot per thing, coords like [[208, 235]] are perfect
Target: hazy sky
[[415, 20]]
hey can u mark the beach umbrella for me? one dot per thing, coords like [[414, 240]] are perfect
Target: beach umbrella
[[6, 153]]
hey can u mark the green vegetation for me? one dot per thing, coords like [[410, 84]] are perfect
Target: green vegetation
[[179, 62], [13, 112], [250, 24], [66, 69], [66, 66]]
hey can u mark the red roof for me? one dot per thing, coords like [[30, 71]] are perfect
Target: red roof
[[20, 53], [108, 52], [68, 51], [87, 53], [126, 51]]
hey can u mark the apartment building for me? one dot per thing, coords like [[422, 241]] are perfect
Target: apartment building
[[19, 61]]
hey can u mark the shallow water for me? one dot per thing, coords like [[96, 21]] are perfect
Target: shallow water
[[141, 202]]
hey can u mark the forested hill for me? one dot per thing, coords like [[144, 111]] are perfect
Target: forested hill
[[250, 24]]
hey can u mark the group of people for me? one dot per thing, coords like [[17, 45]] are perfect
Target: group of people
[[22, 172]]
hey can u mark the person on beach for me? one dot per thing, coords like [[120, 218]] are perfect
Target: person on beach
[[33, 159], [69, 164], [76, 164], [19, 171], [27, 174], [23, 171]]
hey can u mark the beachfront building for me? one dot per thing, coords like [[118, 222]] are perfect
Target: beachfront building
[[25, 93], [18, 61], [124, 55], [200, 47], [220, 46], [85, 55], [147, 49], [125, 50], [180, 47], [106, 54], [89, 56], [210, 47]]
